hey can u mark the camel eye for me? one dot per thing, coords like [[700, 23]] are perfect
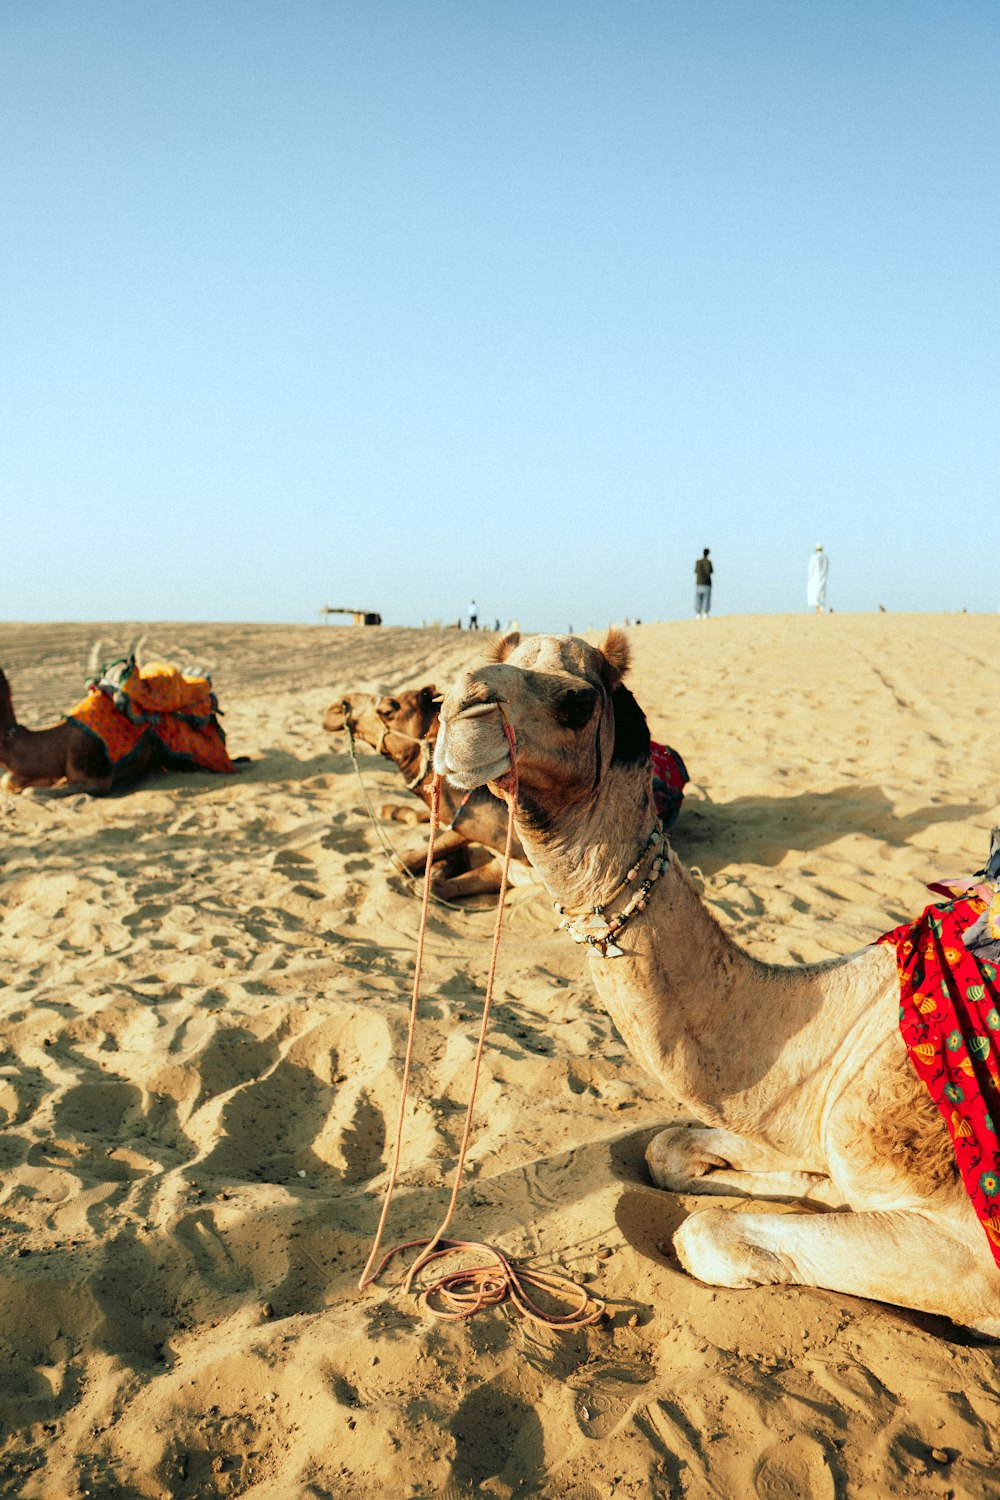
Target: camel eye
[[575, 707]]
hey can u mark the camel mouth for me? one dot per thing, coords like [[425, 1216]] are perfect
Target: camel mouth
[[469, 752], [466, 777], [462, 763], [338, 716]]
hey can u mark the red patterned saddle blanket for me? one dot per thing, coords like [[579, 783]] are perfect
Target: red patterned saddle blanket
[[949, 1017], [670, 777]]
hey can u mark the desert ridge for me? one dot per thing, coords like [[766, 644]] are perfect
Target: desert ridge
[[206, 987]]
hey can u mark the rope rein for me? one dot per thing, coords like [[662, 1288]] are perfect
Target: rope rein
[[387, 848], [426, 746], [460, 1293]]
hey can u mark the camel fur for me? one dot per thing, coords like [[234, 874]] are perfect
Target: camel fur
[[798, 1075], [403, 728], [67, 754]]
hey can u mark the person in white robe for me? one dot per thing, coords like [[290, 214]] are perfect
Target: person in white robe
[[819, 568]]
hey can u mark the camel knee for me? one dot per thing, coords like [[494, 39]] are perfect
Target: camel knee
[[416, 863], [678, 1158], [396, 813], [13, 782], [717, 1246], [484, 881]]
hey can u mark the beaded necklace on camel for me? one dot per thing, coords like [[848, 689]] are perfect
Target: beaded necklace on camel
[[600, 932]]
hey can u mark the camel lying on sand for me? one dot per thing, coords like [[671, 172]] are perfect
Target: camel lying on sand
[[799, 1074], [100, 746], [403, 729], [66, 753]]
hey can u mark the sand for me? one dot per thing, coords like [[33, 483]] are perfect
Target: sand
[[205, 989]]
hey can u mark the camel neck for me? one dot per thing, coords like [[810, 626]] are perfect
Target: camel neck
[[584, 853], [684, 996], [697, 1010], [8, 721], [600, 927]]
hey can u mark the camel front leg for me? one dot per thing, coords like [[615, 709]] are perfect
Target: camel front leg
[[14, 782], [704, 1159], [446, 842], [396, 812], [900, 1256], [482, 881]]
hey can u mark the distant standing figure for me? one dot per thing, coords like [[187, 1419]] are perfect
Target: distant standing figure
[[819, 568], [702, 586], [473, 616]]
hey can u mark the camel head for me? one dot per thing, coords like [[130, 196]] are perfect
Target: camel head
[[573, 721], [372, 717]]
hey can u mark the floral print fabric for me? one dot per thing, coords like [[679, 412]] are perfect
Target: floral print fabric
[[949, 1017], [670, 777]]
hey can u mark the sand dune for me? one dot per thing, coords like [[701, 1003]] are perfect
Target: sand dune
[[205, 988]]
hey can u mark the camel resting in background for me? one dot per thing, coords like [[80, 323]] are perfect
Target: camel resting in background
[[799, 1074], [403, 728], [65, 753], [132, 722]]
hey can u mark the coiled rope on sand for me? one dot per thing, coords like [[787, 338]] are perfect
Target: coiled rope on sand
[[460, 1293]]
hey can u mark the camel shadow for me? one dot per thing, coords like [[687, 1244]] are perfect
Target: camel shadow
[[647, 1216], [762, 830], [268, 767]]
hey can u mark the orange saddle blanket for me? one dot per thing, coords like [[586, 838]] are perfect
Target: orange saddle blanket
[[127, 702]]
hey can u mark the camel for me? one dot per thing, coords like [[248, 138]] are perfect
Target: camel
[[72, 756], [403, 728], [798, 1076], [66, 753]]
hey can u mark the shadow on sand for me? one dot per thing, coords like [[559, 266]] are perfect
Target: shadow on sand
[[761, 830]]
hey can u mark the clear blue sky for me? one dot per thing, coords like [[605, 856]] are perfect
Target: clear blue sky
[[392, 303]]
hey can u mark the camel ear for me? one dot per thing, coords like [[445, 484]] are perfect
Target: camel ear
[[631, 729], [501, 649], [618, 654]]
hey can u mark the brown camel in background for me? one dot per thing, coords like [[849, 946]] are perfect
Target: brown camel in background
[[66, 753], [403, 728]]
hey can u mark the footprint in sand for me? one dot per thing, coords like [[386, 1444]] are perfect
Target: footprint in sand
[[794, 1470], [598, 1412], [574, 1492]]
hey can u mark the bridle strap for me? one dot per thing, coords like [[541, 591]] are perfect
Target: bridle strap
[[425, 744]]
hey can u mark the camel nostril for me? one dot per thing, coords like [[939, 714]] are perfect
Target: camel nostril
[[474, 708]]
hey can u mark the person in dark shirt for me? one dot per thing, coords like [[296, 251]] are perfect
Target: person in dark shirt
[[702, 586]]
